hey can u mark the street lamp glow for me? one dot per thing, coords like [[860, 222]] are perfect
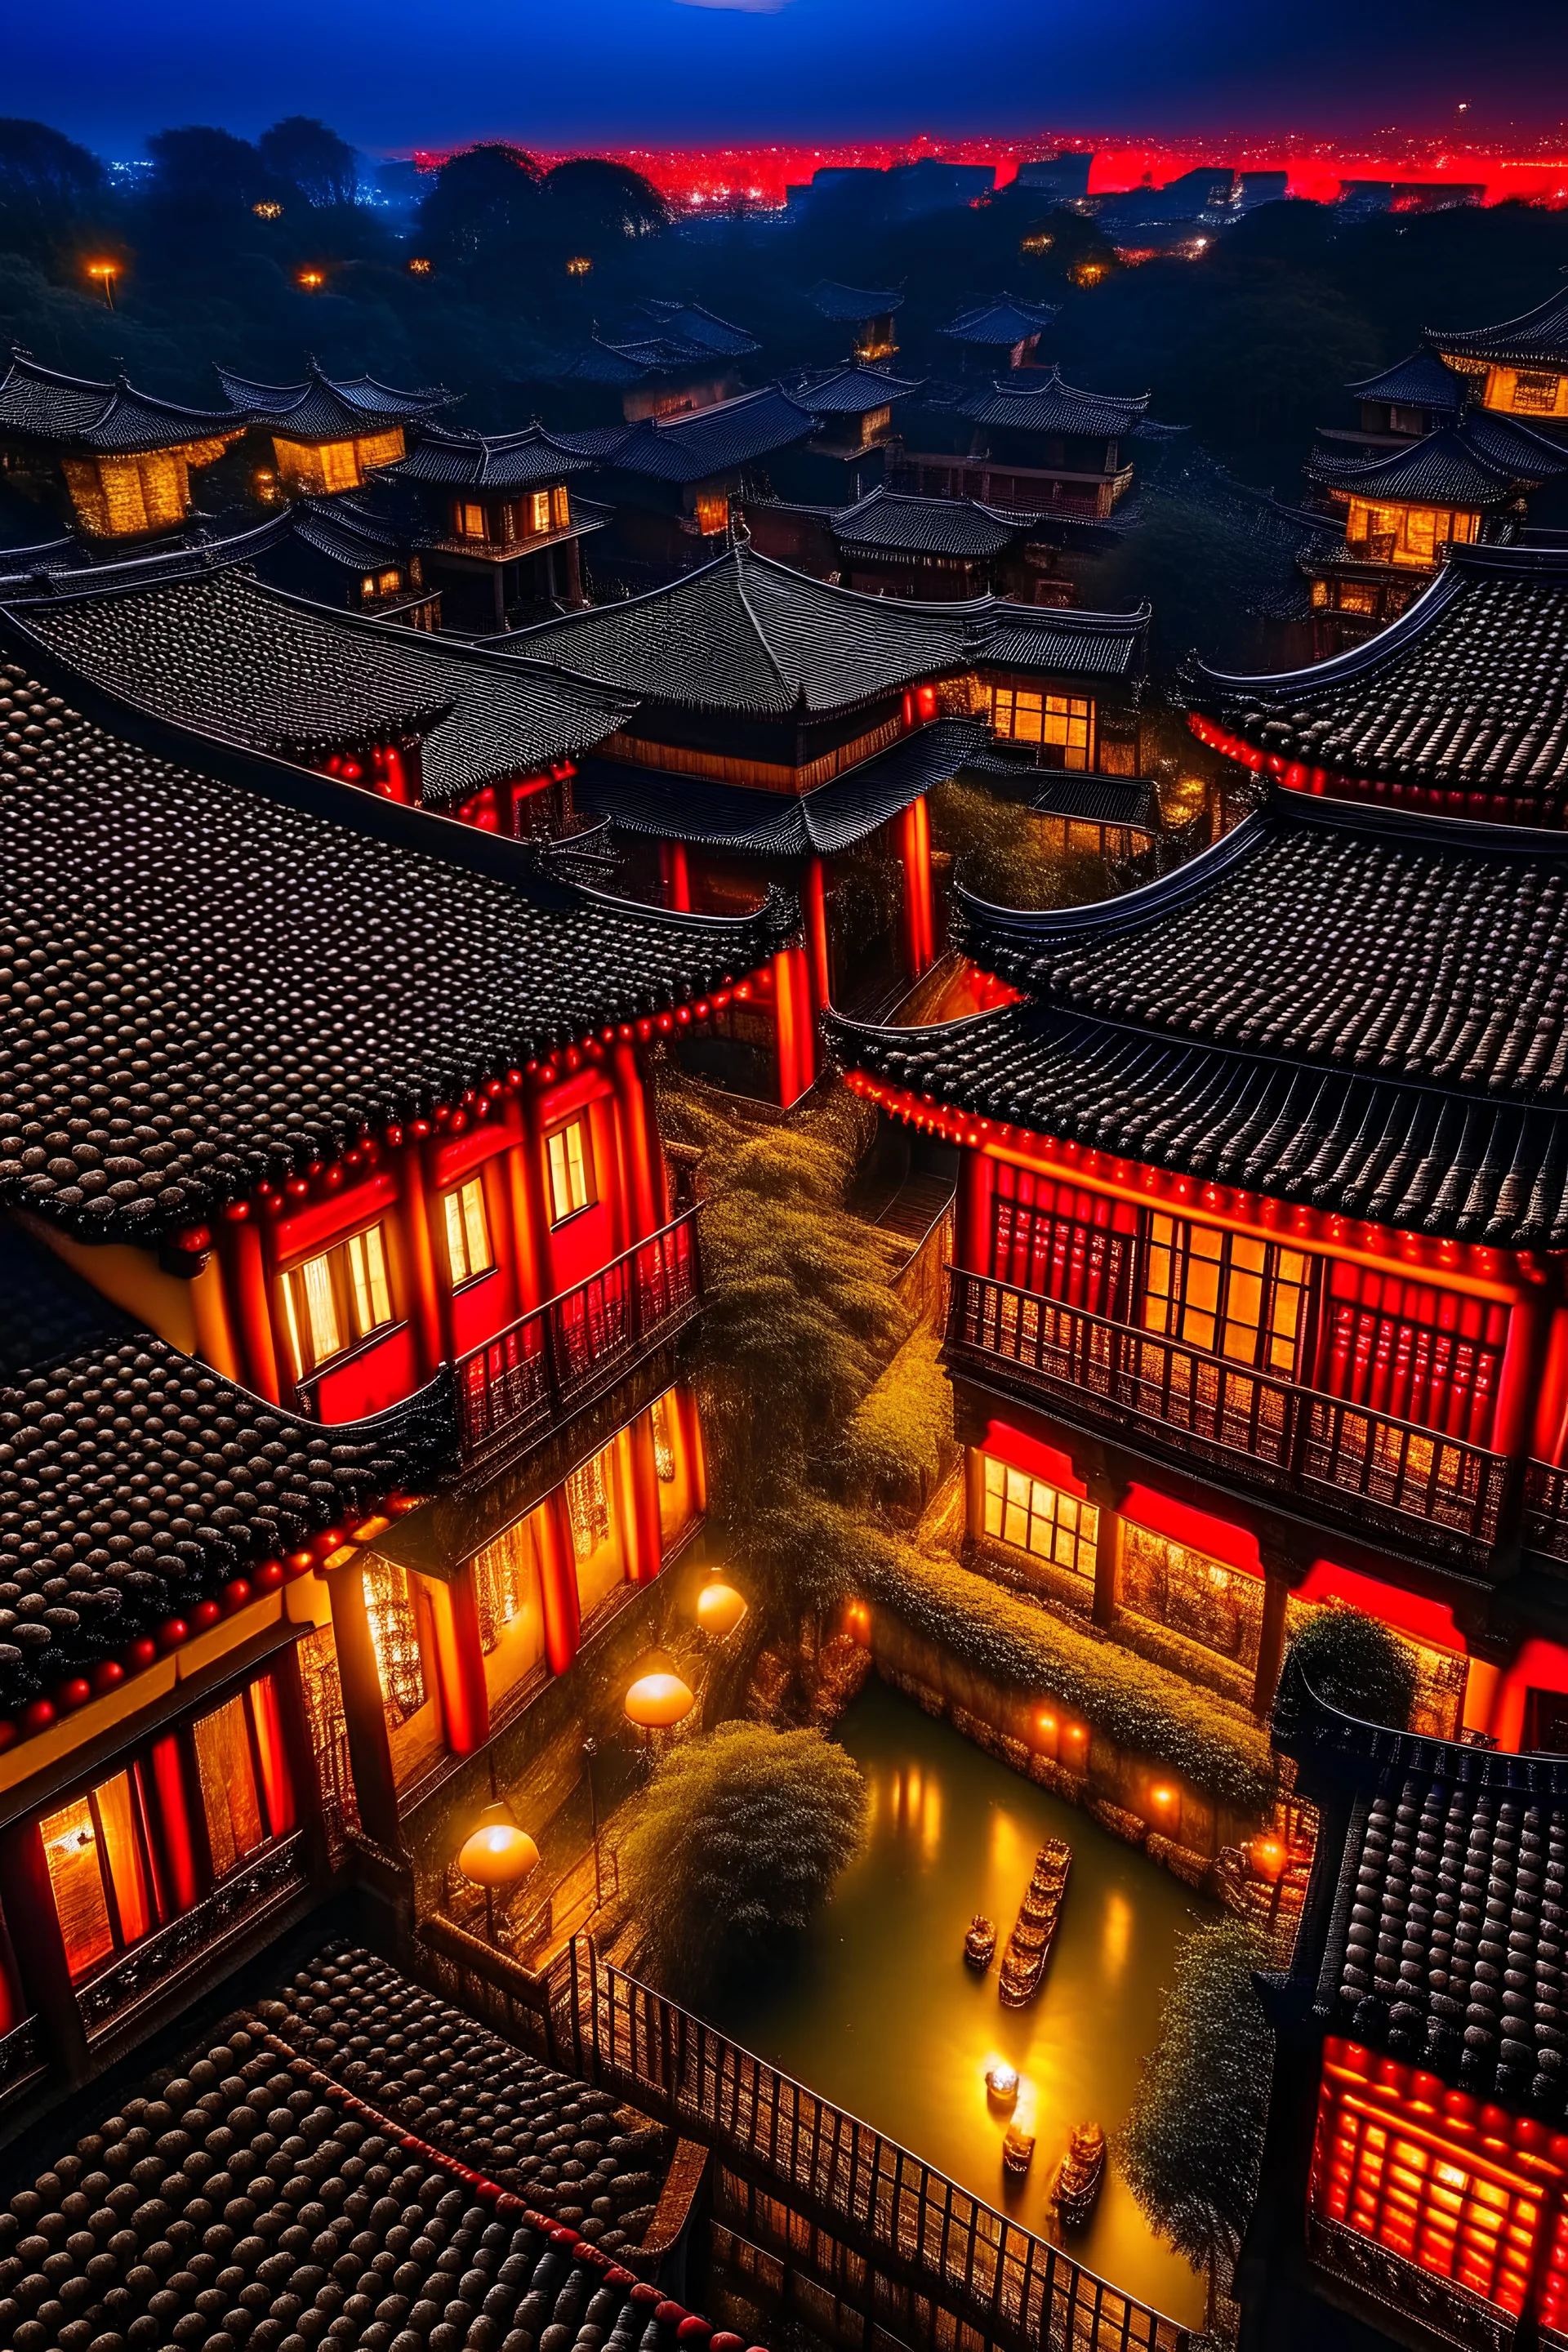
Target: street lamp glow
[[658, 1699], [497, 1853]]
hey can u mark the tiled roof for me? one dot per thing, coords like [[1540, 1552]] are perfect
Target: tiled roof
[[229, 658], [218, 968], [744, 633], [1447, 468], [352, 534], [1056, 406], [664, 805], [1538, 338], [1006, 320], [709, 441], [1448, 1935], [1098, 800], [494, 461], [1467, 693], [72, 567], [326, 409], [702, 330], [962, 527], [849, 391], [848, 304], [135, 1483], [1333, 1006], [38, 403], [1420, 380], [255, 2198]]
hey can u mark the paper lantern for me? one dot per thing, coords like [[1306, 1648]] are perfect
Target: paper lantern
[[658, 1697], [498, 1853], [719, 1607]]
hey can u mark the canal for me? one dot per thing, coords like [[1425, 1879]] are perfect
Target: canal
[[874, 2008]]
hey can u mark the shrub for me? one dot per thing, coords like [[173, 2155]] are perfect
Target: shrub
[[1191, 2148], [738, 1835], [1354, 1663], [1002, 854], [899, 1432]]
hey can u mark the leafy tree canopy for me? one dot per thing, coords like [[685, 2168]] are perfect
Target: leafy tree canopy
[[302, 153], [590, 197], [486, 199], [1354, 1663], [199, 167], [44, 177]]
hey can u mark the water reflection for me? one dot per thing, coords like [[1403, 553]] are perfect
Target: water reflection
[[875, 2008]]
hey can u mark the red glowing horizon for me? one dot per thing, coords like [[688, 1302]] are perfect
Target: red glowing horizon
[[761, 171]]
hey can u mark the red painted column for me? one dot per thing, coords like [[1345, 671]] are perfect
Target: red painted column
[[254, 1302], [792, 1015], [976, 1183], [525, 1190], [674, 874], [631, 1102], [815, 898], [1519, 1383], [558, 1584], [914, 851], [426, 1305], [459, 1663]]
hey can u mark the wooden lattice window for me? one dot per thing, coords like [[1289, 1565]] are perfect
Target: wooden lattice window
[[1407, 1349], [1228, 1294], [103, 1871], [247, 1794], [569, 1159], [1037, 1517], [662, 1418], [1535, 392], [329, 1733], [1219, 1607], [1063, 1241], [469, 1251], [395, 1637], [337, 1298], [1059, 723], [588, 1508], [506, 1581]]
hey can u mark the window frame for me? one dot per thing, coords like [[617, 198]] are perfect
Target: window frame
[[346, 1286], [1077, 1523], [580, 1124], [470, 1189], [1163, 1313]]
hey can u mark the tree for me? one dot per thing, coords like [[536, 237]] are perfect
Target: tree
[[486, 201], [591, 199], [46, 179], [1192, 2145], [302, 153], [738, 1836], [1354, 1663], [201, 169]]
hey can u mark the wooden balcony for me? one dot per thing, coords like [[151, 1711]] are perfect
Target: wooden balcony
[[1546, 1510], [1341, 1461], [557, 1359]]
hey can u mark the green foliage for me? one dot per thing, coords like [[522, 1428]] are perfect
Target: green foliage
[[738, 1835], [1214, 1747], [304, 156], [1002, 854], [1354, 1663], [1191, 2148], [899, 1432]]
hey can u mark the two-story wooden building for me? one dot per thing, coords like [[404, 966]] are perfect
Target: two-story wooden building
[[328, 433], [870, 313], [344, 1108], [994, 337], [1041, 448], [1258, 1293], [892, 543], [1517, 368], [1416, 396], [123, 459], [503, 527], [857, 430]]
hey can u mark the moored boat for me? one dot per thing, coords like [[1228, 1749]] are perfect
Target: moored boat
[[980, 1942], [1075, 2184], [1029, 1945], [1017, 2149]]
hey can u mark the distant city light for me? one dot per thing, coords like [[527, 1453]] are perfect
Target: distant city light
[[267, 210]]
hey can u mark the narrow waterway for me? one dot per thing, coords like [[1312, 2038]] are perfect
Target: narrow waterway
[[874, 2007]]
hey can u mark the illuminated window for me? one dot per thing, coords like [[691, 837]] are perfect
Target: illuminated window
[[560, 506], [1056, 722], [712, 512], [394, 1638], [1228, 1294], [1063, 1242], [390, 583], [102, 1871], [1535, 392], [471, 521], [231, 1794], [663, 1426], [539, 511], [1355, 598], [506, 1582], [571, 1164], [467, 1234], [1220, 1607], [335, 1300], [1320, 592], [1407, 1349], [1025, 1511], [588, 1507]]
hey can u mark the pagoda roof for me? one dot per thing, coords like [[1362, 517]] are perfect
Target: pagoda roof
[[704, 442], [223, 654], [848, 304], [1067, 792], [849, 391], [1466, 693], [1419, 381], [699, 330], [1054, 406], [40, 404], [1537, 338], [327, 408], [1435, 1828], [897, 521], [352, 534], [1450, 467], [1006, 321], [666, 806], [488, 461], [97, 1414], [1334, 1004], [220, 968]]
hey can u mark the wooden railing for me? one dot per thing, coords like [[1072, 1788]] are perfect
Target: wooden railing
[[1546, 1510], [1344, 1459], [950, 2261], [551, 1361]]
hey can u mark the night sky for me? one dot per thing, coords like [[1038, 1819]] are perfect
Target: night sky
[[397, 73]]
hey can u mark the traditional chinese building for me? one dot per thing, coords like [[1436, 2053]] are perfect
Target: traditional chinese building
[[848, 455], [787, 731], [1257, 1295], [328, 436], [357, 551], [869, 313], [1403, 513], [1402, 403], [995, 337], [1519, 368], [344, 1109], [425, 723], [124, 460], [665, 359], [1416, 2172], [1046, 449], [504, 531], [890, 544]]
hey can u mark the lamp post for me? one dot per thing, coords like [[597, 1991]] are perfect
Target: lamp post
[[658, 1700], [106, 272], [497, 1853], [590, 1749]]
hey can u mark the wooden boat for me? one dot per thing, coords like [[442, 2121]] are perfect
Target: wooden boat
[[1017, 2149], [1075, 2184], [980, 1942], [1029, 1945]]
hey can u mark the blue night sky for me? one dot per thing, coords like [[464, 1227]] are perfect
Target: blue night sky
[[395, 73]]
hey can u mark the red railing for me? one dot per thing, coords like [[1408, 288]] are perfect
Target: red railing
[[552, 1359], [1343, 1458]]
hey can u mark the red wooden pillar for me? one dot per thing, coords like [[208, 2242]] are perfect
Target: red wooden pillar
[[648, 1548], [364, 1709], [459, 1663], [254, 1305], [792, 1020], [530, 1231], [631, 1102], [976, 1183], [815, 897], [426, 1304], [696, 1459], [558, 1582], [674, 874], [914, 851]]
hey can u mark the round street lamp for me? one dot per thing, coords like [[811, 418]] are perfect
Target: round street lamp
[[658, 1699], [719, 1607]]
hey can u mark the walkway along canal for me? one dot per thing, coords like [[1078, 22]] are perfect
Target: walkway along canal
[[874, 2008]]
